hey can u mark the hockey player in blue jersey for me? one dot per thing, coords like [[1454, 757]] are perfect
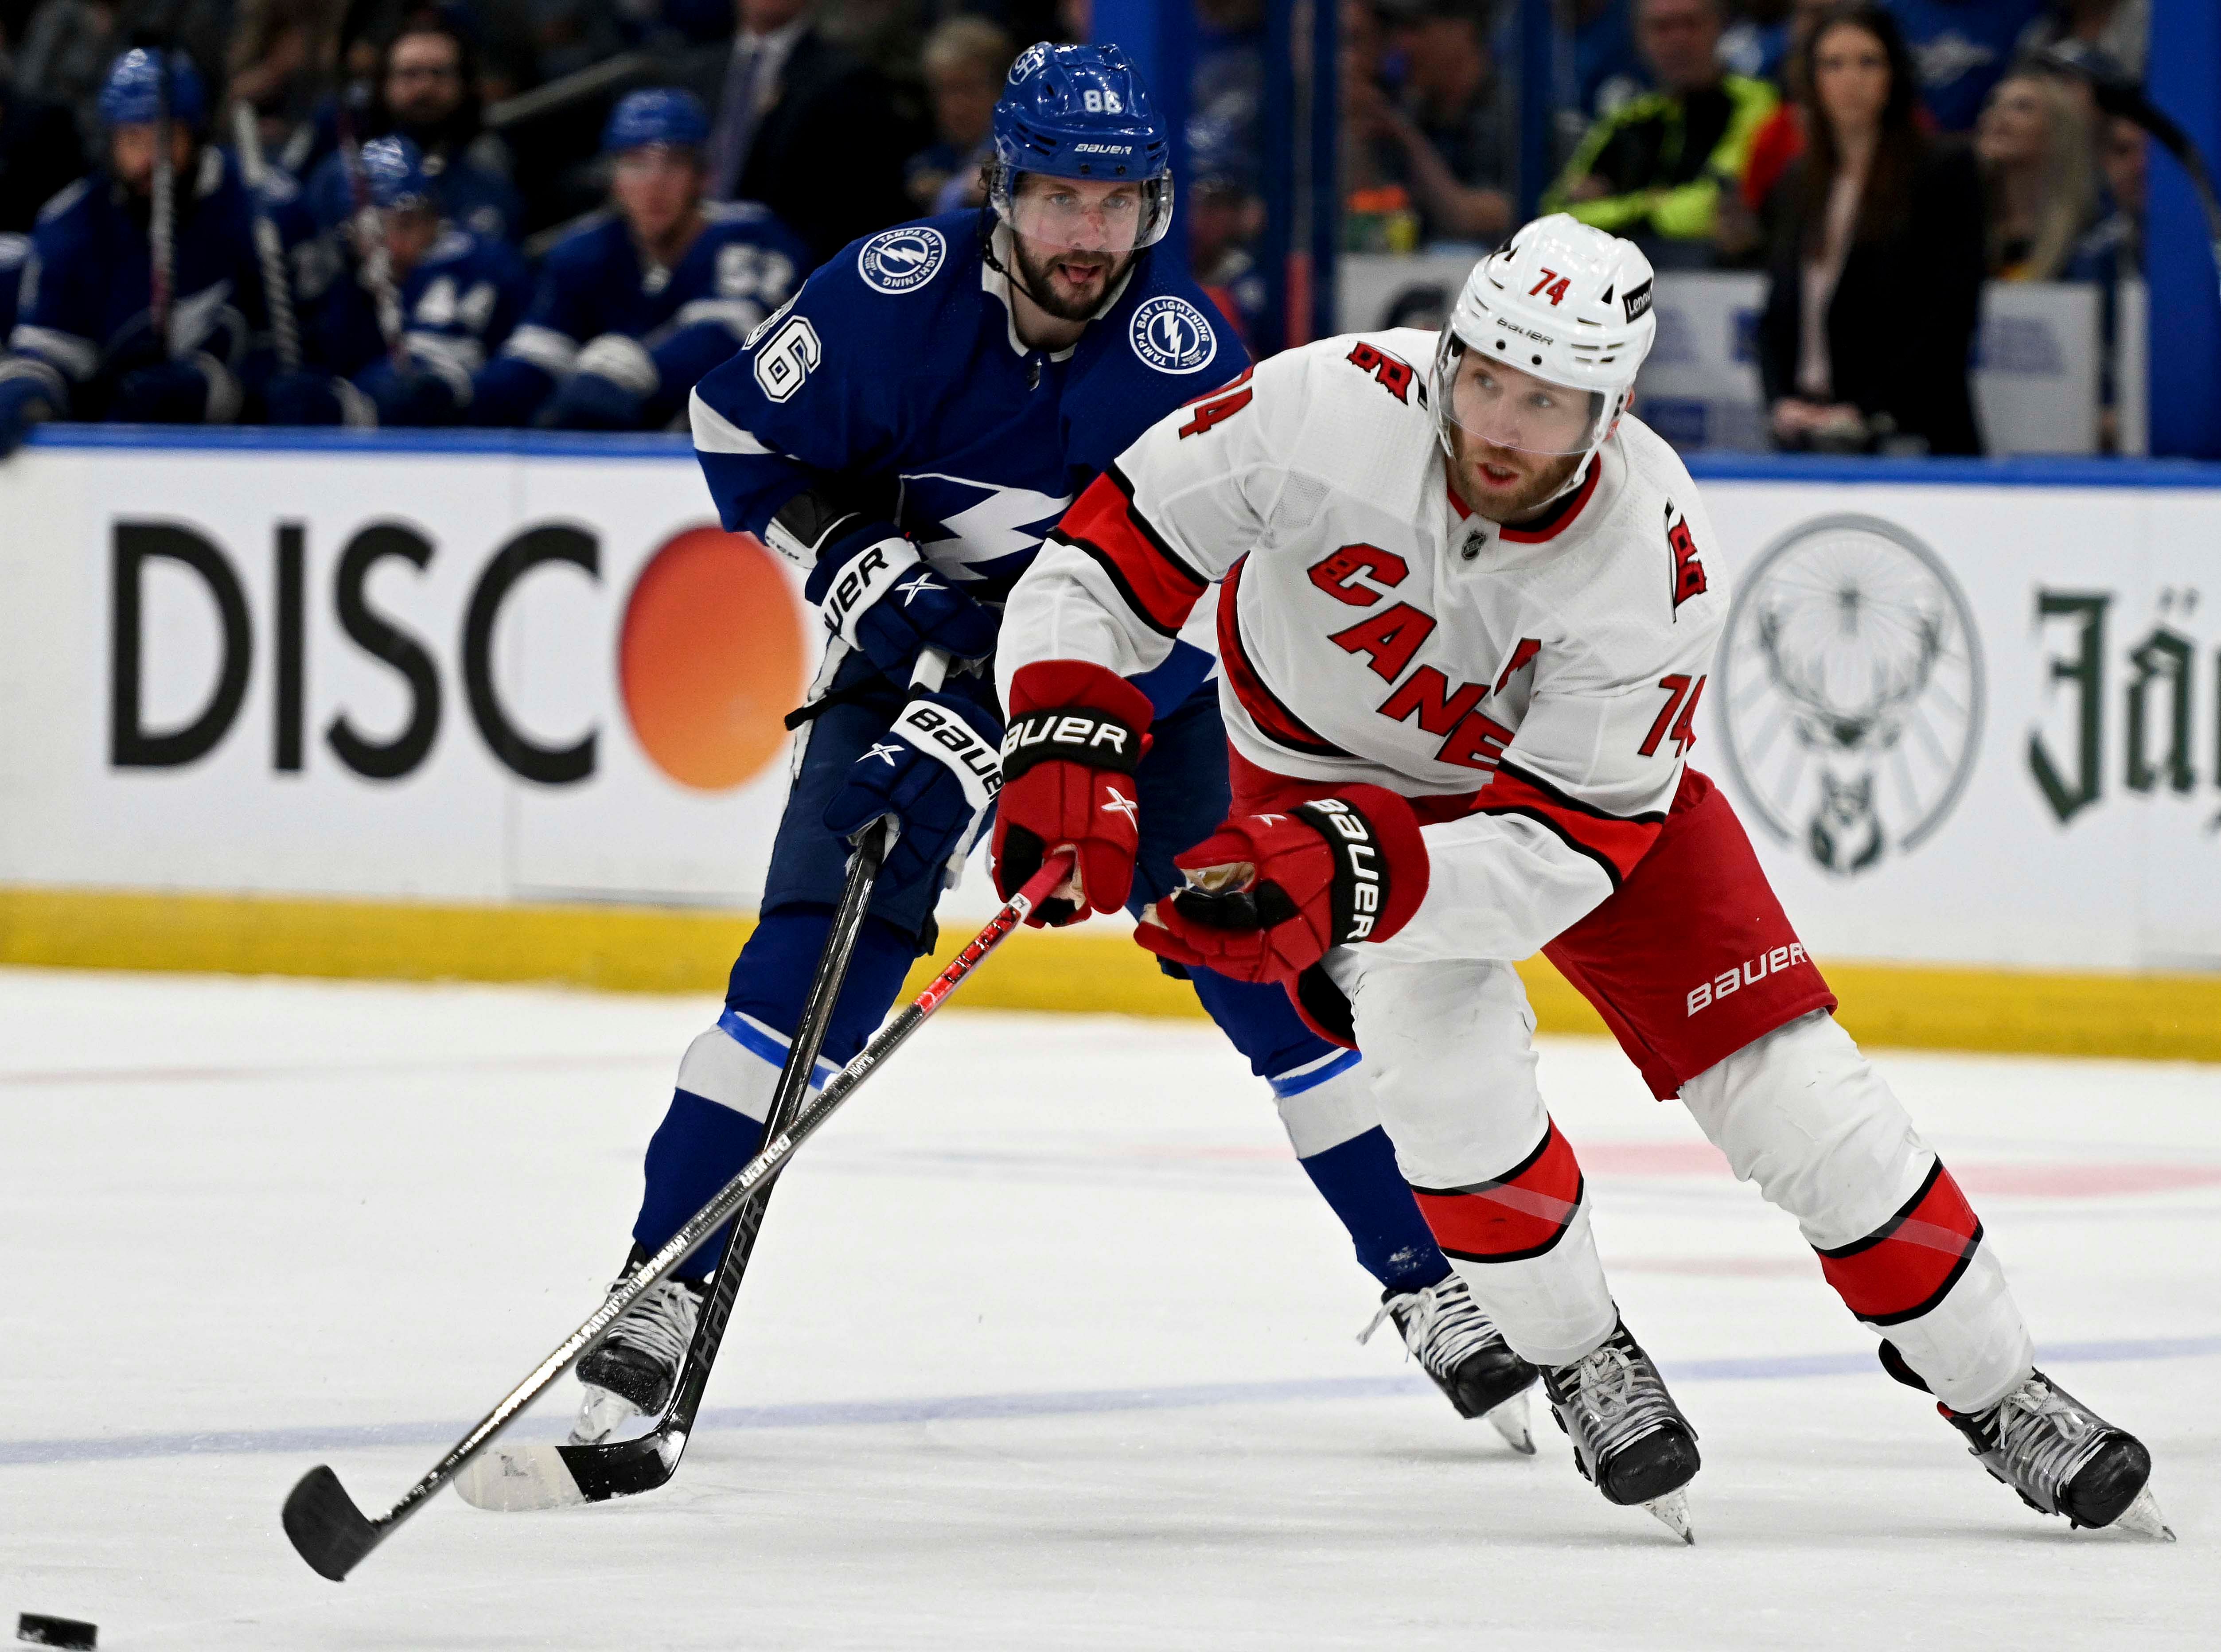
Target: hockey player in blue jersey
[[411, 307], [637, 305], [908, 430], [147, 233]]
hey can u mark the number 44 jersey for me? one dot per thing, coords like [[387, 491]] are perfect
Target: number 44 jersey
[[1534, 689]]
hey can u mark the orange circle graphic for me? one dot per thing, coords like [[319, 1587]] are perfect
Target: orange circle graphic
[[711, 658]]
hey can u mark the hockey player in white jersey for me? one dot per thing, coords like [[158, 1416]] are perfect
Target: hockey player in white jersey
[[1465, 620]]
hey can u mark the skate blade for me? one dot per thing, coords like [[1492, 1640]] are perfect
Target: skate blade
[[601, 1414], [1671, 1511], [518, 1480], [1510, 1420], [2142, 1519]]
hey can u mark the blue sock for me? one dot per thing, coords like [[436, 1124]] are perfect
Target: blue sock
[[702, 1143], [1359, 1179]]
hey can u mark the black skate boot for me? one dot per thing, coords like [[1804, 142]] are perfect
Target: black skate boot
[[1456, 1344], [632, 1370], [2057, 1454], [1630, 1439]]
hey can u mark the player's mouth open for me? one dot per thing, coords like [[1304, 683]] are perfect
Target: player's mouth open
[[1498, 475]]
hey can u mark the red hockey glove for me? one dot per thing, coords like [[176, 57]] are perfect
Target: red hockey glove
[[1269, 894], [1076, 733]]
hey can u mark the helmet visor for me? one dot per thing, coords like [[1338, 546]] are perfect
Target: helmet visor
[[1085, 215], [1507, 407]]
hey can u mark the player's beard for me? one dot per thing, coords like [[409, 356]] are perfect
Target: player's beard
[[1046, 283], [1504, 484]]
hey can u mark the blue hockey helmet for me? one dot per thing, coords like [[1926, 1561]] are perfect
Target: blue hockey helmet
[[393, 173], [1081, 112], [661, 115], [134, 93]]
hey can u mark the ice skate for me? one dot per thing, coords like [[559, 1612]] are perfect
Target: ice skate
[[1457, 1345], [633, 1369], [1630, 1439], [2062, 1458]]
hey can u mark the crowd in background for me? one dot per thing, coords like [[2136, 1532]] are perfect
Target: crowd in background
[[1835, 145]]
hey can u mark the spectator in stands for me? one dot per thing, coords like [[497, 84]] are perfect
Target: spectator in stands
[[965, 59], [1781, 140], [427, 90], [2034, 144], [1450, 133], [1963, 47], [2119, 29], [2114, 249], [1608, 69], [280, 56], [1225, 217], [802, 126], [1878, 268], [1655, 170]]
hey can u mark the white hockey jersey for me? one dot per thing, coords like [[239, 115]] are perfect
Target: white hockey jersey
[[1534, 691]]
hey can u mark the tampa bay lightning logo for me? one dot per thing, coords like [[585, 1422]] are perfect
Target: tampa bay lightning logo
[[975, 531], [899, 260], [1171, 335]]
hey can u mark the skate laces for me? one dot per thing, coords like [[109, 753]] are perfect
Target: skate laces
[[2045, 1435], [1616, 1397], [661, 1323], [1441, 1324]]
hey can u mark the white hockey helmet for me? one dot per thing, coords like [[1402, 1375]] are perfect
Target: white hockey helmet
[[1563, 302]]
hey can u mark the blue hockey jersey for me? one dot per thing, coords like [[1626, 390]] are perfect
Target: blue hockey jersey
[[688, 317], [1963, 49], [83, 316], [897, 382], [458, 304]]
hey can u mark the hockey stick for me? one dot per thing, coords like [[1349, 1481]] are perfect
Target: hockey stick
[[334, 1535], [277, 291], [597, 1473]]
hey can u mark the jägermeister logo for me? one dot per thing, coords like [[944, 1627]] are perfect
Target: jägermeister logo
[[1851, 680]]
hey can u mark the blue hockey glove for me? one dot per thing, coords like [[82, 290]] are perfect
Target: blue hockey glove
[[875, 593], [590, 402], [195, 392], [936, 770], [25, 401], [409, 395]]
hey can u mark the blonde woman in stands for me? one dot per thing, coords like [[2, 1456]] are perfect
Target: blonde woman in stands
[[2041, 176]]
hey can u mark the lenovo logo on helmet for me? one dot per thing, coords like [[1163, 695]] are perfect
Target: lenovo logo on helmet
[[1637, 300]]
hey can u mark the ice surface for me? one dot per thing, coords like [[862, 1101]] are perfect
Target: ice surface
[[1047, 1344]]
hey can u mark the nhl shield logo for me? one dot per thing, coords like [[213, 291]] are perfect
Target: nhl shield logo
[[1172, 335], [901, 260], [1851, 689]]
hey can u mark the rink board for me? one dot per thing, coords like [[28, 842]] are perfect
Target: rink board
[[473, 706]]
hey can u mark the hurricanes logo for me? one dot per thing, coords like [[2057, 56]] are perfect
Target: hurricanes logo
[[1851, 689], [900, 260], [1172, 335]]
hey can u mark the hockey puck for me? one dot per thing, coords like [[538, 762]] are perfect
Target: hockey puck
[[41, 1630]]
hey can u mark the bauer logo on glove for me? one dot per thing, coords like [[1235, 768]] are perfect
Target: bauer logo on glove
[[1270, 894]]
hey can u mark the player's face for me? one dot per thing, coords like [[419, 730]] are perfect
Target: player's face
[[131, 151], [656, 188], [1516, 439], [1074, 238], [409, 232]]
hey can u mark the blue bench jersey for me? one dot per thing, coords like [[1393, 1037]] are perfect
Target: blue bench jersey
[[83, 316], [744, 265], [457, 306], [896, 383]]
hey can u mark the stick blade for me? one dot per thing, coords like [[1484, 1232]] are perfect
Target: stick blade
[[331, 1534], [517, 1479]]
